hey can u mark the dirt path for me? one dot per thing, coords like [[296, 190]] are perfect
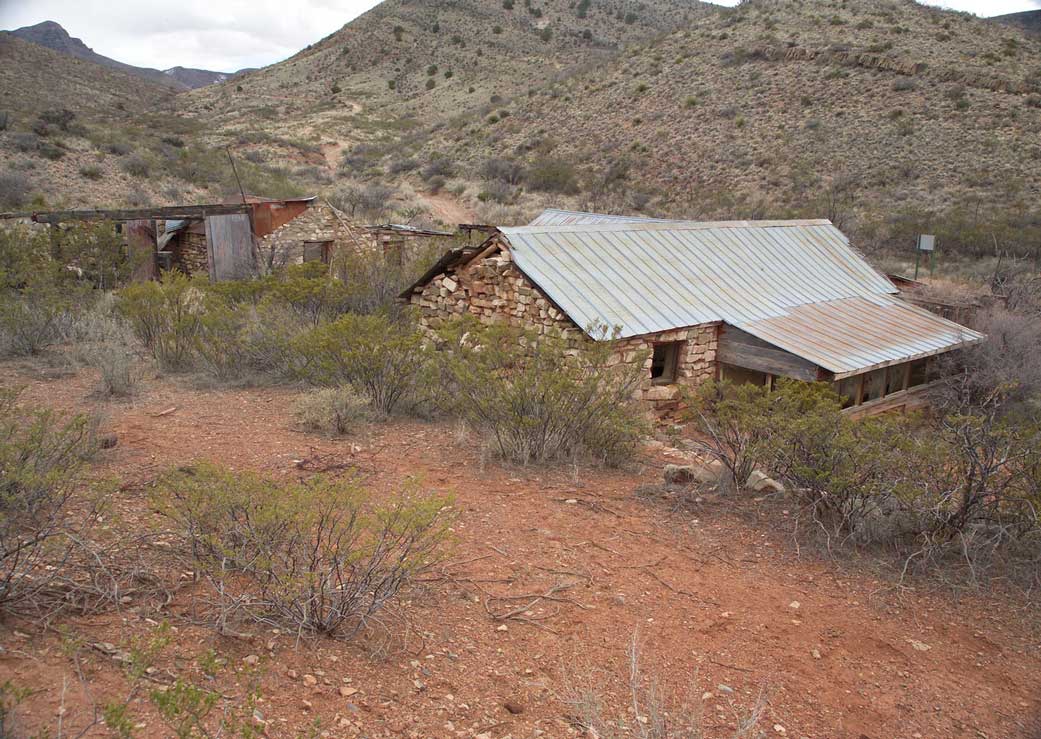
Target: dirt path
[[723, 610], [447, 209]]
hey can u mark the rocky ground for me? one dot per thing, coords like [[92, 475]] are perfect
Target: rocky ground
[[727, 610]]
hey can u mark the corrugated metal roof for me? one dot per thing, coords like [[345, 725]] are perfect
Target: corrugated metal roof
[[645, 277], [852, 335], [555, 217]]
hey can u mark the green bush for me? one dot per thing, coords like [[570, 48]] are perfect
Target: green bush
[[542, 398], [335, 410], [381, 358], [552, 175], [165, 316], [967, 485], [321, 556], [41, 456]]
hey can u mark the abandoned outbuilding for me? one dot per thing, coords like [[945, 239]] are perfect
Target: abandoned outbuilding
[[747, 301]]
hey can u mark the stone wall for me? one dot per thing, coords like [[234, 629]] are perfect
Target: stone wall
[[285, 245], [494, 290], [190, 253]]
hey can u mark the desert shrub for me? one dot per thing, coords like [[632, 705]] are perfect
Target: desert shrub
[[381, 358], [221, 337], [165, 318], [91, 172], [321, 556], [335, 410], [966, 485], [438, 166], [93, 253], [1001, 374], [61, 118], [498, 192], [32, 317], [106, 342], [42, 455], [552, 175], [51, 151], [542, 398], [308, 290], [374, 281], [734, 422], [135, 165], [370, 201], [502, 170], [14, 190]]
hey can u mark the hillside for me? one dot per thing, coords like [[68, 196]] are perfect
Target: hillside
[[75, 133], [884, 116], [879, 115], [772, 107], [408, 64], [196, 78], [56, 38], [1029, 20]]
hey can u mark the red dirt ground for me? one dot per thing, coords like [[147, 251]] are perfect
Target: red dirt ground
[[712, 597]]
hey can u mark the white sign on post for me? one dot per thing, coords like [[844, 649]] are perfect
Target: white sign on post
[[926, 242]]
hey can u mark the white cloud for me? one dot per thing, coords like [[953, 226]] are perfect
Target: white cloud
[[226, 35], [223, 35]]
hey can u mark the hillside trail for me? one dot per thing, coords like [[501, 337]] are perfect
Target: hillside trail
[[446, 208]]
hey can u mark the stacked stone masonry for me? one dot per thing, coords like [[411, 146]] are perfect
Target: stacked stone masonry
[[285, 245], [494, 290]]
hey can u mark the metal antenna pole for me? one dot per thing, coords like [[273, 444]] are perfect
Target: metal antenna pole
[[235, 171]]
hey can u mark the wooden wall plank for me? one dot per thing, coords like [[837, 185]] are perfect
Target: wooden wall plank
[[230, 244], [741, 349]]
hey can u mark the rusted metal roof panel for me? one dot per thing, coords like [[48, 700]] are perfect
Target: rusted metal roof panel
[[650, 277], [853, 335], [555, 217], [796, 284]]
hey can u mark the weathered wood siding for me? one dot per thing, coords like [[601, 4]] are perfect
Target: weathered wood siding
[[741, 349], [230, 240]]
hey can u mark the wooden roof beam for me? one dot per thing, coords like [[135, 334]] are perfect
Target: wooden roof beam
[[175, 212]]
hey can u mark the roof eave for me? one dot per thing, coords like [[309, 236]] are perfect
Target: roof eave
[[841, 375]]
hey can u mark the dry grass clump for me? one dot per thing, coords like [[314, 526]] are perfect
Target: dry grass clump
[[334, 410]]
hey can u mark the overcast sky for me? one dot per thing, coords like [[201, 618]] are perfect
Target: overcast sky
[[227, 35]]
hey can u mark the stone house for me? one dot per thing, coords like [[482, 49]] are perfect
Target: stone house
[[316, 234], [747, 301]]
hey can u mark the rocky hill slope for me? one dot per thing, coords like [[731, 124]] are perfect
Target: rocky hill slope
[[774, 106], [885, 115], [1029, 20]]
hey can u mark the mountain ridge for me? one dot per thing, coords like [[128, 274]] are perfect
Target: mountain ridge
[[53, 35]]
